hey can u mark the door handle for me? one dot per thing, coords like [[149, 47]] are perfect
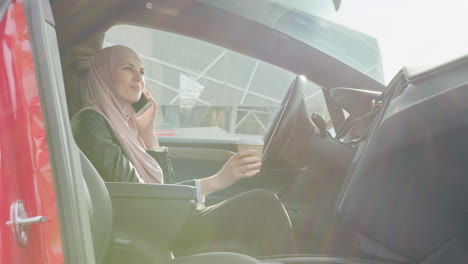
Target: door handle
[[20, 222]]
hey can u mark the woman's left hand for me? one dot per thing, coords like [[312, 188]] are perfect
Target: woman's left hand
[[244, 164]]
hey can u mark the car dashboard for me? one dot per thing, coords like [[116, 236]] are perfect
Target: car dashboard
[[406, 193]]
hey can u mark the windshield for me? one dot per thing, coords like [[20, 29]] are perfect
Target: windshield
[[351, 47], [376, 38]]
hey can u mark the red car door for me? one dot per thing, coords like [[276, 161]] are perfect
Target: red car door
[[29, 223]]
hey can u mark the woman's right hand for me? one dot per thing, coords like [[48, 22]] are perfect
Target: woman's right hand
[[145, 124], [146, 121], [244, 164]]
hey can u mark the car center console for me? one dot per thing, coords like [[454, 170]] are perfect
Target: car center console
[[147, 219]]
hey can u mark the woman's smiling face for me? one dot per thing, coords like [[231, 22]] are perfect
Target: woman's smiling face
[[129, 80]]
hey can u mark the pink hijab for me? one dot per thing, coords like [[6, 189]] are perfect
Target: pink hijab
[[101, 96]]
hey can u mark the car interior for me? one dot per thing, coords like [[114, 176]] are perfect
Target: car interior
[[388, 187]]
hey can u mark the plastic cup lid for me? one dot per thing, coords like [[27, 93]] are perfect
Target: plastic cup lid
[[250, 141]]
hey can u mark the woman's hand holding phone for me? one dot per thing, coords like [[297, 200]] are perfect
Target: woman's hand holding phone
[[146, 121]]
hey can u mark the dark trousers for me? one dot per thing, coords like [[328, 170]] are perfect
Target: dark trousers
[[253, 223]]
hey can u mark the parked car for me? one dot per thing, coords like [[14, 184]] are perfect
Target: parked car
[[368, 172]]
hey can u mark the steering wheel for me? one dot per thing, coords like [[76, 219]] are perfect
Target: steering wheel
[[290, 131]]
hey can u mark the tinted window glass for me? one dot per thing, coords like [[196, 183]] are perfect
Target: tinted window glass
[[207, 91]]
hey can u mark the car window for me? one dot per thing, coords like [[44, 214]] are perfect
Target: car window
[[207, 91]]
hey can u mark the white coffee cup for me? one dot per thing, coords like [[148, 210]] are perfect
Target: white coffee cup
[[250, 143]]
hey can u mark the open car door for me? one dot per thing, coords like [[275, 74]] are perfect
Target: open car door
[[42, 211]]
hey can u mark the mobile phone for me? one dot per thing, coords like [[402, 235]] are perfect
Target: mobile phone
[[142, 105]]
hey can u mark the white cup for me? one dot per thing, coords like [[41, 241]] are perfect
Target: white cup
[[250, 143]]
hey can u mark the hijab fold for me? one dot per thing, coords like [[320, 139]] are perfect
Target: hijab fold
[[101, 96]]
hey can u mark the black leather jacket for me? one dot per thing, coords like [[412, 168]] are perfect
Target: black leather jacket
[[98, 141]]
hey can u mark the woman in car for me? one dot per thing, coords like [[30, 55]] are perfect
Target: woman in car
[[123, 148]]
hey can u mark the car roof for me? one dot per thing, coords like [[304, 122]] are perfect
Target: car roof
[[84, 23]]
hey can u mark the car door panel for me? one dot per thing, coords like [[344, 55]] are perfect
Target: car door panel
[[207, 159], [75, 229], [196, 163], [200, 163], [197, 158], [26, 181]]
